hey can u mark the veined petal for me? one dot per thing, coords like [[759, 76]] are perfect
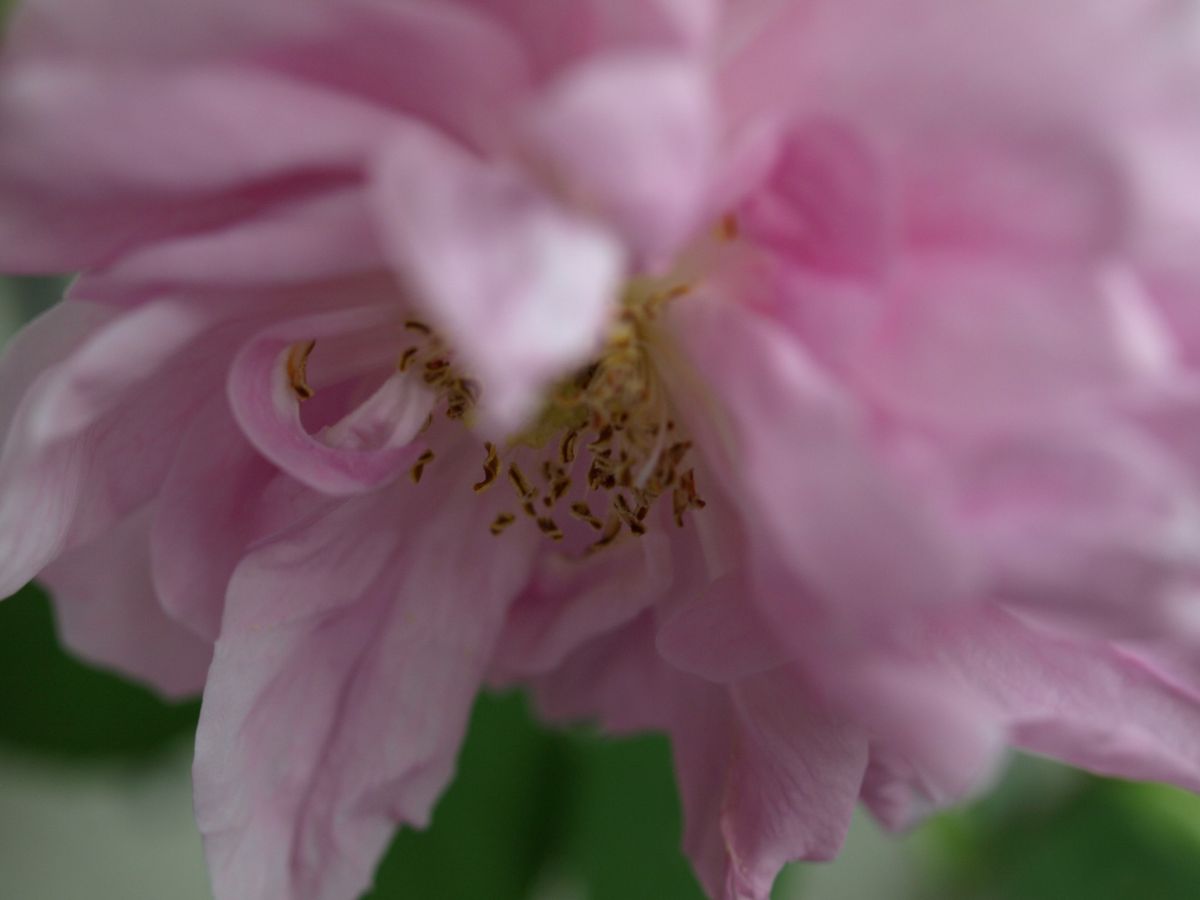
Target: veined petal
[[350, 655], [206, 512], [521, 288], [801, 458], [1086, 702], [108, 612], [66, 477], [793, 785]]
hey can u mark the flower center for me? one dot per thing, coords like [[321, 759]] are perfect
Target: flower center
[[605, 447]]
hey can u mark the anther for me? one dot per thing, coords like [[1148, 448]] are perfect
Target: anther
[[297, 369], [566, 450], [418, 468], [491, 469], [502, 522], [419, 327], [581, 511], [550, 528], [612, 528], [524, 488], [406, 358]]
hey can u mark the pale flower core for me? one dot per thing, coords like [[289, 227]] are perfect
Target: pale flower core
[[605, 446]]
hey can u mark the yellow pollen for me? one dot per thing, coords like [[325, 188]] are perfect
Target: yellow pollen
[[605, 444]]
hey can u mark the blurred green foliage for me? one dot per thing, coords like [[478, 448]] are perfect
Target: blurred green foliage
[[58, 707]]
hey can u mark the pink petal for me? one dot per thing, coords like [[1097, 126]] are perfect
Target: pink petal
[[766, 775], [193, 148], [720, 634], [309, 238], [976, 344], [818, 492], [1085, 702], [108, 612], [350, 655], [824, 203], [521, 288], [793, 787], [368, 448], [631, 138], [572, 601], [122, 419], [206, 512], [557, 35]]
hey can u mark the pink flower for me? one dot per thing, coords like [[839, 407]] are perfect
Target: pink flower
[[816, 382]]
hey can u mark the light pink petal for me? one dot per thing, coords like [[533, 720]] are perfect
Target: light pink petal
[[557, 35], [1046, 193], [113, 360], [572, 601], [108, 612], [1091, 525], [801, 457], [824, 204], [367, 448], [631, 138], [350, 655], [720, 633], [976, 344], [1085, 702], [793, 785], [65, 479], [169, 29], [96, 161], [206, 512], [521, 288], [311, 238], [765, 775]]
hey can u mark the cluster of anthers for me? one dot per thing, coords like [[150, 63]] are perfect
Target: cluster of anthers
[[605, 447]]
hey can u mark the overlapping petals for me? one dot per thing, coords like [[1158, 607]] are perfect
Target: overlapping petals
[[920, 320]]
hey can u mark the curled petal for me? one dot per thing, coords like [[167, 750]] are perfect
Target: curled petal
[[366, 449]]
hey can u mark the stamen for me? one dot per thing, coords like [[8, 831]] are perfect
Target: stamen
[[491, 469], [297, 370], [566, 450], [406, 358], [502, 522], [418, 468], [612, 529], [550, 528], [581, 511], [524, 488]]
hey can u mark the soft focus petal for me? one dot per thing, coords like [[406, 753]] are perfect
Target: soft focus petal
[[570, 602], [520, 287], [81, 451], [108, 612], [806, 470], [193, 149], [206, 512], [631, 138], [824, 204]]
